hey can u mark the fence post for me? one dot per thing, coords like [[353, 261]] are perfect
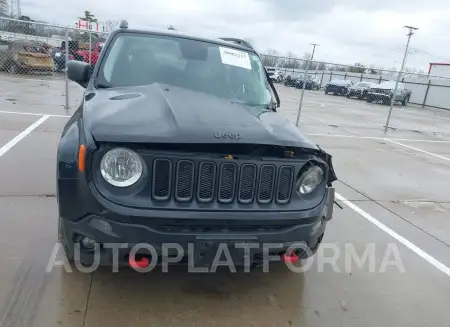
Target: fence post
[[65, 71], [345, 76], [379, 80], [331, 76], [426, 94], [90, 46], [361, 78], [321, 79]]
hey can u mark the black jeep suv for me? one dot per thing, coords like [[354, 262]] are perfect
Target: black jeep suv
[[177, 141]]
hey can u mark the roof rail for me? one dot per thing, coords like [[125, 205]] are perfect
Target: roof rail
[[123, 24], [237, 41]]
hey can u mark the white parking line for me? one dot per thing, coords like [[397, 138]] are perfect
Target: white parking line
[[419, 150], [436, 263], [8, 146], [377, 138], [32, 114]]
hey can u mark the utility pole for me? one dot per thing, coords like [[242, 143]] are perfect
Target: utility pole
[[410, 33], [304, 82]]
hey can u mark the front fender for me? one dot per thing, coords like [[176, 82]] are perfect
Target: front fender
[[67, 155], [73, 195]]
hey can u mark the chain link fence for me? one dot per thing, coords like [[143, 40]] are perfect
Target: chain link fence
[[427, 110], [33, 57]]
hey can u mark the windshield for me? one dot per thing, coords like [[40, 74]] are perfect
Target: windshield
[[225, 72]]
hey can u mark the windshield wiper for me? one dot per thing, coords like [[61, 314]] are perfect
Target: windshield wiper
[[253, 104], [102, 86]]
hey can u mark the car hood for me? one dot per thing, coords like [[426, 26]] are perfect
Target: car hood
[[161, 113]]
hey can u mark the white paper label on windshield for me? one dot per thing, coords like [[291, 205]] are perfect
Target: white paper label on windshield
[[235, 58]]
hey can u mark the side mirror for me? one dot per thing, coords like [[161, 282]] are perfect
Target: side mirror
[[79, 71]]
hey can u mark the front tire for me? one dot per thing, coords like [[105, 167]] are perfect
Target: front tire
[[62, 238], [405, 101]]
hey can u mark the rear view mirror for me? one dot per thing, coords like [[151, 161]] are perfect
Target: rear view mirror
[[79, 72]]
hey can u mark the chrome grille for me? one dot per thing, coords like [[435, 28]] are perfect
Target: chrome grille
[[221, 182]]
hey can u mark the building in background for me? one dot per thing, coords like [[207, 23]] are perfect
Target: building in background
[[439, 69]]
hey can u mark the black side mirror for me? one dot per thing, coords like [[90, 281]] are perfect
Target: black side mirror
[[79, 71]]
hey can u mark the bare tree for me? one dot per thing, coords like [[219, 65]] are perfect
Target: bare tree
[[4, 7], [357, 68], [109, 25], [321, 66], [291, 61], [171, 28], [373, 70], [270, 58]]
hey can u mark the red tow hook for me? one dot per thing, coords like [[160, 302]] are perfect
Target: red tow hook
[[138, 264], [289, 257]]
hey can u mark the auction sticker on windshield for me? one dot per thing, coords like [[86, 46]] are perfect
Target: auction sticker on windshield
[[235, 58]]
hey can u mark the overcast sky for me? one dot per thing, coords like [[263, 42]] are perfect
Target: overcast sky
[[348, 31]]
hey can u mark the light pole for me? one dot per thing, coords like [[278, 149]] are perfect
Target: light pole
[[304, 83], [410, 33]]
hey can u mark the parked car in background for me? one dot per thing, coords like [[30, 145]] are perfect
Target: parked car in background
[[59, 54], [277, 76], [312, 82], [291, 78], [338, 86], [26, 57], [384, 92], [359, 90], [90, 56]]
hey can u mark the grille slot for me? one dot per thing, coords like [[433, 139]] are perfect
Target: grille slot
[[227, 182], [162, 177], [206, 181], [184, 180], [266, 184], [284, 186], [247, 183]]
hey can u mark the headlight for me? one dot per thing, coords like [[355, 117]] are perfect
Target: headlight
[[121, 167], [309, 180]]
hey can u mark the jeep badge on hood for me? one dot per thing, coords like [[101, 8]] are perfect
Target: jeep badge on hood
[[232, 136]]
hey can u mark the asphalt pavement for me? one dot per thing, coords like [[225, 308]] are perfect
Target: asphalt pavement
[[384, 261]]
